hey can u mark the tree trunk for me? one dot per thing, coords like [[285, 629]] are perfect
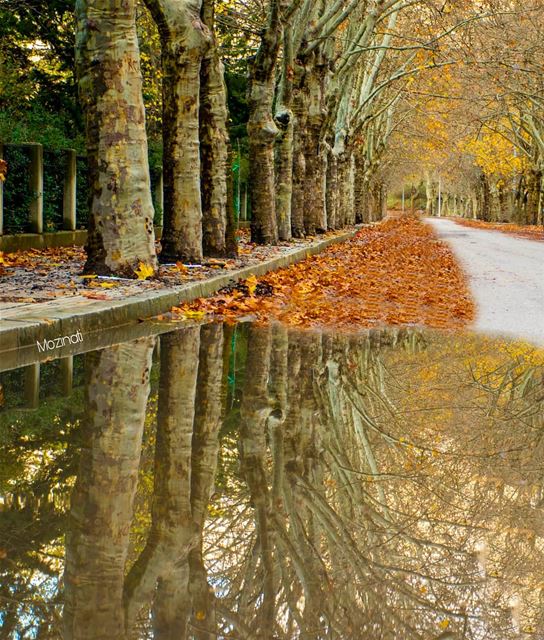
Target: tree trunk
[[284, 147], [185, 39], [342, 214], [533, 196], [429, 193], [284, 180], [262, 132], [102, 502], [346, 181], [331, 192], [214, 143], [359, 188], [231, 243], [300, 110], [314, 202], [121, 234]]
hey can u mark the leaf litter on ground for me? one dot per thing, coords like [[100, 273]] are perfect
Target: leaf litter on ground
[[394, 273], [531, 232], [39, 275]]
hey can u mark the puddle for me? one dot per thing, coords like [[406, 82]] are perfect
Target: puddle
[[267, 483]]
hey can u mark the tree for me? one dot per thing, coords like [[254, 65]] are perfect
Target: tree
[[185, 39], [121, 236], [214, 143], [262, 129]]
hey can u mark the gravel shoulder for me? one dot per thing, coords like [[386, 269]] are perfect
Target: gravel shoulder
[[506, 277]]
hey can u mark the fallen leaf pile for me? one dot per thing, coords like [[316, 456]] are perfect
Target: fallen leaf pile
[[532, 232], [393, 273], [42, 261]]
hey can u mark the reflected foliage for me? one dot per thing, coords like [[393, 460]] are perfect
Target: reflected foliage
[[286, 485]]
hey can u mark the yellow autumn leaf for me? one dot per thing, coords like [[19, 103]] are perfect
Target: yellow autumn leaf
[[194, 315], [107, 285], [444, 624], [144, 271], [251, 284]]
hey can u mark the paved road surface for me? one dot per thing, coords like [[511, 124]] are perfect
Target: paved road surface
[[506, 276]]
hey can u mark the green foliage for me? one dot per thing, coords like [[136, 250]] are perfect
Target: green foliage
[[150, 63], [17, 195], [36, 124], [237, 104], [82, 193], [37, 57]]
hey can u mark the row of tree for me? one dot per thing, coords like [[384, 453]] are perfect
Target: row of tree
[[325, 83], [344, 99], [474, 131]]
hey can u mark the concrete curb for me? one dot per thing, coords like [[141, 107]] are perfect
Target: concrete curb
[[23, 326]]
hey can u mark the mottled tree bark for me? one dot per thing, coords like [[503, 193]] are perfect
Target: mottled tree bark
[[346, 199], [314, 202], [121, 232], [231, 243], [214, 141], [173, 532], [262, 131], [300, 112], [284, 148], [284, 180], [208, 419], [359, 187], [255, 409], [331, 192], [185, 39], [102, 502]]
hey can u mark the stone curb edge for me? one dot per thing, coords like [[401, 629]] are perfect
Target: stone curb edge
[[21, 334]]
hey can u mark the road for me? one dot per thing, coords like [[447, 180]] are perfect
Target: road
[[506, 276]]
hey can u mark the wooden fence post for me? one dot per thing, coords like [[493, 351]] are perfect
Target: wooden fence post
[[1, 194], [32, 386], [70, 187], [36, 187], [67, 374]]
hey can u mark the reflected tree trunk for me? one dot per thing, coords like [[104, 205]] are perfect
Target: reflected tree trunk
[[173, 533], [208, 419], [170, 569], [255, 410], [102, 501]]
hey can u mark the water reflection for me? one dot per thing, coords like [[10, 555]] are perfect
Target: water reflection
[[259, 482]]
